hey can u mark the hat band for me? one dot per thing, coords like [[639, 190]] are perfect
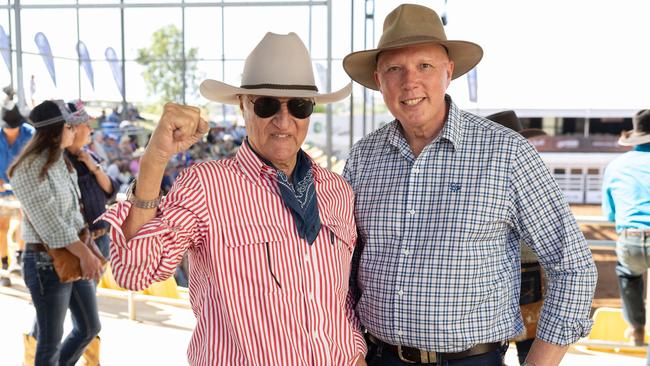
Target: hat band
[[280, 86], [48, 122]]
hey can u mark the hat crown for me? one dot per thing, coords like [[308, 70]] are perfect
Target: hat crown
[[641, 122], [409, 22], [266, 66], [507, 119]]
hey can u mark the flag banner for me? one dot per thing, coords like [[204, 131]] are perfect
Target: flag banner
[[116, 68], [84, 59], [4, 48], [46, 53], [472, 85]]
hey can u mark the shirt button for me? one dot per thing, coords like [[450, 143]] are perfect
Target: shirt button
[[406, 251], [311, 296], [400, 333], [416, 170], [307, 258], [411, 212], [315, 334], [400, 292]]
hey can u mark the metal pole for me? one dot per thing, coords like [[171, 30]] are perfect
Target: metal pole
[[329, 84], [372, 96], [11, 31], [131, 305], [223, 54], [19, 57], [123, 91], [78, 58], [351, 94], [184, 63]]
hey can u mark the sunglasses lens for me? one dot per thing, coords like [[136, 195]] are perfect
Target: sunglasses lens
[[266, 107], [300, 108]]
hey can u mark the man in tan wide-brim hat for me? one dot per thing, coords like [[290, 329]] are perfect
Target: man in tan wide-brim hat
[[269, 233], [626, 201], [443, 198]]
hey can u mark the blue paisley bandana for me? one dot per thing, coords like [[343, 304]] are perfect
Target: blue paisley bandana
[[299, 195]]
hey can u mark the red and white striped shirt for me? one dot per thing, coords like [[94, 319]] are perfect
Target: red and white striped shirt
[[261, 295]]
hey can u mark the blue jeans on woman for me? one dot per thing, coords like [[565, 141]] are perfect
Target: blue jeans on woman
[[52, 299]]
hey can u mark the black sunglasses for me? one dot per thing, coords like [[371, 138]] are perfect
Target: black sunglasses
[[266, 107]]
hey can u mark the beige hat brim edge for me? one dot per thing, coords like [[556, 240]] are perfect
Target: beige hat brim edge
[[630, 139], [218, 91], [361, 65]]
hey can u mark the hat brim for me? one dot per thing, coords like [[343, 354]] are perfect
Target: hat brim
[[630, 138], [361, 65], [223, 93]]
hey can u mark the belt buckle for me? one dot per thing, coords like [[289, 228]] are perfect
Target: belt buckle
[[401, 357]]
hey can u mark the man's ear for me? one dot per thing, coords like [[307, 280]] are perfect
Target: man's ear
[[375, 75]]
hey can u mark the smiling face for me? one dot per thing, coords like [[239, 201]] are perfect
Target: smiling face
[[413, 81], [277, 138]]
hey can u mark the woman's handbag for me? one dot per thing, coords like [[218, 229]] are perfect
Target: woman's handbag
[[67, 265]]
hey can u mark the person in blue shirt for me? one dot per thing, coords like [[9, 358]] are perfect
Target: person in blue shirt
[[13, 136], [626, 201]]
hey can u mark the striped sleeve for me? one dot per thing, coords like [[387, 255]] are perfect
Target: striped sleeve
[[153, 254]]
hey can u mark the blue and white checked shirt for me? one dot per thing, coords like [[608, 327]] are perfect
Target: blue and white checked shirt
[[440, 264]]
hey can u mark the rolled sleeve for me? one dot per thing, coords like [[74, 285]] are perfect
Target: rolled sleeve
[[546, 224], [155, 251]]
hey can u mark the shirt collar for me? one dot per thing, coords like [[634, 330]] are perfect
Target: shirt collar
[[254, 168], [452, 130]]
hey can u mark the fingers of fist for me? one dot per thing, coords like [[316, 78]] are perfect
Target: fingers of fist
[[184, 121]]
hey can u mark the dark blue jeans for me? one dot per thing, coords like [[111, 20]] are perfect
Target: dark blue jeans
[[103, 243], [380, 356], [52, 299]]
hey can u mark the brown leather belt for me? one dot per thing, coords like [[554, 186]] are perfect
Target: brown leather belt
[[414, 355], [97, 233], [636, 232], [35, 247]]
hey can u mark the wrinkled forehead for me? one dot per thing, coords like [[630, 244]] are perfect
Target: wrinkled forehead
[[431, 51]]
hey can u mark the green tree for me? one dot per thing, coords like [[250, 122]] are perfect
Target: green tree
[[163, 65]]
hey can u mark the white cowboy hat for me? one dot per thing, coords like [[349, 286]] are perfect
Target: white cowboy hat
[[405, 26], [279, 66], [640, 133]]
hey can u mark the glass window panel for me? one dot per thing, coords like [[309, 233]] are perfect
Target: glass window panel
[[243, 36], [136, 88], [5, 75], [319, 32], [233, 73], [203, 32], [140, 24], [61, 34], [100, 29], [105, 87], [47, 2], [341, 26], [150, 1], [204, 70], [67, 86]]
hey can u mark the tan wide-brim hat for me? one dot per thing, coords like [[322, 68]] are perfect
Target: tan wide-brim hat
[[640, 133], [279, 66], [410, 25]]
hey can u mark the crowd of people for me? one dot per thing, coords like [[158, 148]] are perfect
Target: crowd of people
[[444, 228]]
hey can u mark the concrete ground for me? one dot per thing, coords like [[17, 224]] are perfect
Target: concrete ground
[[161, 334]]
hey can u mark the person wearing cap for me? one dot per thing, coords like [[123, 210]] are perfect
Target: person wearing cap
[[443, 198], [270, 234], [45, 183], [532, 278], [626, 201], [95, 185], [14, 135]]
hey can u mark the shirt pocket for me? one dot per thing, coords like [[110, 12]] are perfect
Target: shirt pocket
[[341, 241], [255, 254]]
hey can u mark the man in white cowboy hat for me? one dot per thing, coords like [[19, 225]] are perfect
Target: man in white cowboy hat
[[626, 201], [270, 234], [443, 198]]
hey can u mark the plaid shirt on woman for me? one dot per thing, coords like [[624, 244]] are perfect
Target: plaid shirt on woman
[[440, 266]]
